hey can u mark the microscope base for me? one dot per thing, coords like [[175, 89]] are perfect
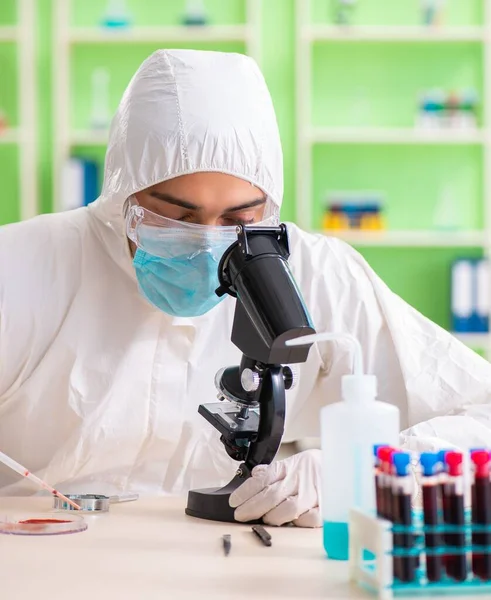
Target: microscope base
[[213, 503]]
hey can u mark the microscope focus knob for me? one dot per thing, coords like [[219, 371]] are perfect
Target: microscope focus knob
[[290, 375], [250, 380]]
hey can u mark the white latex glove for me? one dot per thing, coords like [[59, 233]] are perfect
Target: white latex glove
[[287, 491]]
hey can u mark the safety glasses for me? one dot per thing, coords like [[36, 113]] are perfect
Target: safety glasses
[[168, 238]]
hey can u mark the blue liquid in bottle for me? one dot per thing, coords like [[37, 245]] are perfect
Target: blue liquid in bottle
[[336, 540]]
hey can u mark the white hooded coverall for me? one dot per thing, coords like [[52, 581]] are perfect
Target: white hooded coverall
[[99, 390]]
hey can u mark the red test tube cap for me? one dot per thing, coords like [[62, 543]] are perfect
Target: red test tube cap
[[382, 453], [385, 452], [480, 458], [390, 452], [454, 462], [385, 455]]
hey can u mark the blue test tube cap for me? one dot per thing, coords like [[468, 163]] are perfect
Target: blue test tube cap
[[401, 461], [429, 461], [441, 456], [376, 447]]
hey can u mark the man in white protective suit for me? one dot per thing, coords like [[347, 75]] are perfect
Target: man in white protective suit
[[111, 334]]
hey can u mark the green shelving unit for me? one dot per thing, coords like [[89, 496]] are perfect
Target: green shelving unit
[[357, 89], [18, 140]]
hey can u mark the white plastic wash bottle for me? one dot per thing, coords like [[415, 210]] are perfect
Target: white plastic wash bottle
[[349, 431]]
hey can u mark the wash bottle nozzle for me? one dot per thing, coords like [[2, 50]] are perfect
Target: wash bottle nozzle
[[330, 337], [355, 387]]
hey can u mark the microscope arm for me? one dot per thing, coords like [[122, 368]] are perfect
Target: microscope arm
[[271, 419]]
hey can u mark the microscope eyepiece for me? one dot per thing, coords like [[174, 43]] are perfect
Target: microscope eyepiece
[[270, 307]]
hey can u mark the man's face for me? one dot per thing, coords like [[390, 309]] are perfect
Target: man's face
[[205, 199]]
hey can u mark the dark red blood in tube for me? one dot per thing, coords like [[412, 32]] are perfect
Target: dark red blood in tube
[[481, 515], [456, 559]]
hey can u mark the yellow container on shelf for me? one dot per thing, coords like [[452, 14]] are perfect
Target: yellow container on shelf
[[335, 221], [372, 222]]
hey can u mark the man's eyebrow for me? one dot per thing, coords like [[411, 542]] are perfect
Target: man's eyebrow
[[254, 203], [175, 201], [190, 206]]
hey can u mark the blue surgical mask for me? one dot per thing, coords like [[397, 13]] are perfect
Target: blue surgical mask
[[176, 263], [180, 286]]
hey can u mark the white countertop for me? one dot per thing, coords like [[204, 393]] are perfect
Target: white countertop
[[150, 549]]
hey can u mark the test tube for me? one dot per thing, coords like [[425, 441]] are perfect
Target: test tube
[[442, 477], [405, 565], [481, 515], [385, 455], [455, 560], [471, 452], [442, 467], [382, 482], [431, 511], [379, 480], [473, 487]]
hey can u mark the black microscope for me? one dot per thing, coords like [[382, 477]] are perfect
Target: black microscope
[[269, 311]]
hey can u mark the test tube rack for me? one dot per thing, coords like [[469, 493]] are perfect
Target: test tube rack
[[372, 555]]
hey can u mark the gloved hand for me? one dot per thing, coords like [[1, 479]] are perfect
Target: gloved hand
[[287, 491]]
